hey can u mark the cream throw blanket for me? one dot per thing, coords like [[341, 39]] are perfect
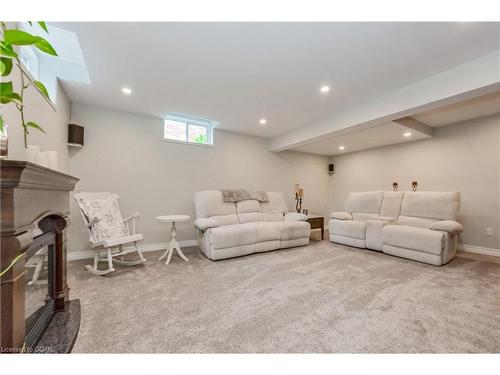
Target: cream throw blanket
[[237, 195]]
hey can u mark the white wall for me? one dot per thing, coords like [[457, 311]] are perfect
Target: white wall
[[462, 157], [54, 120], [124, 153]]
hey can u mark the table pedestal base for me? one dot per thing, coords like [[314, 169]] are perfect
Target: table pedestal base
[[173, 245]]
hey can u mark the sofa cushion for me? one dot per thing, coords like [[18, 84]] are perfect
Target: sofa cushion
[[369, 202], [414, 238], [273, 217], [250, 217], [233, 235], [420, 222], [291, 230], [348, 228], [249, 205], [269, 231], [225, 219], [391, 204], [363, 216], [431, 204], [341, 215]]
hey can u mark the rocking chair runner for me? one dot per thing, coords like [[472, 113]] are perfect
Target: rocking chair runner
[[108, 231]]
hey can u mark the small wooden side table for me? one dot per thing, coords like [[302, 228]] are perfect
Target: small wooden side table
[[173, 245], [317, 222]]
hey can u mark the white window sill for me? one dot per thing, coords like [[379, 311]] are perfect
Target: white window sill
[[187, 143]]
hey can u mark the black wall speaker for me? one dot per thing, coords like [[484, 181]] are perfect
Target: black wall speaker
[[331, 169], [75, 134]]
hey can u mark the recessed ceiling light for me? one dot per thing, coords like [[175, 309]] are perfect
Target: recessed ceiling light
[[407, 134], [341, 148], [126, 91], [324, 89], [263, 121]]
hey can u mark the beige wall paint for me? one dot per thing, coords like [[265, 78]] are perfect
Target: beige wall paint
[[124, 154], [462, 157], [54, 120]]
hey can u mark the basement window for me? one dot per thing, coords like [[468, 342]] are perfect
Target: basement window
[[30, 60], [188, 129]]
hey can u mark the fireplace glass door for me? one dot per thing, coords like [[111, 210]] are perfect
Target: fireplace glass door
[[39, 287]]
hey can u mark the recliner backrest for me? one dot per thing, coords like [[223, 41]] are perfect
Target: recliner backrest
[[426, 207], [371, 204], [391, 204], [249, 210], [364, 202], [210, 204]]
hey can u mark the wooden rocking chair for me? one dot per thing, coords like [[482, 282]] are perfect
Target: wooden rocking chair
[[108, 231]]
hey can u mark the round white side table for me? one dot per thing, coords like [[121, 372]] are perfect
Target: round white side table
[[173, 242]]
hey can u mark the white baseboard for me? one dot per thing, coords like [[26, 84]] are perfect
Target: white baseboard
[[88, 254], [479, 250]]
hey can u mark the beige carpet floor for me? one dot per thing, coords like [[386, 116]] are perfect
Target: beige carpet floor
[[322, 298]]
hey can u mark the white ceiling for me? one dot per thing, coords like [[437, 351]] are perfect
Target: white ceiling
[[237, 73]]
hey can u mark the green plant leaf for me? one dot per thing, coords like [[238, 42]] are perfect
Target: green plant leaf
[[35, 126], [42, 88], [7, 94], [6, 87], [19, 38], [12, 97], [7, 50], [45, 46], [5, 66], [43, 25]]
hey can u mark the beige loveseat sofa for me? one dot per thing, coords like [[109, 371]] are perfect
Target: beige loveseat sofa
[[227, 230], [416, 225]]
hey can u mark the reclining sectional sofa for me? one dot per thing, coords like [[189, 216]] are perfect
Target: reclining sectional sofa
[[227, 230], [416, 225]]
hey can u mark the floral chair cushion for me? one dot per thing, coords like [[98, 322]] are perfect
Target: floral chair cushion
[[110, 224]]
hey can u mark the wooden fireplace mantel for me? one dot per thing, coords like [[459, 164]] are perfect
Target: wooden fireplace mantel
[[34, 199]]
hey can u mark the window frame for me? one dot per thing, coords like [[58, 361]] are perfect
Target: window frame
[[32, 57], [30, 61], [190, 120]]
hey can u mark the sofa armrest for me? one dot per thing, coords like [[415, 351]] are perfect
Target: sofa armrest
[[341, 215], [295, 216], [449, 226], [204, 224]]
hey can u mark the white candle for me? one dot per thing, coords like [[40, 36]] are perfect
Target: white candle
[[42, 158], [31, 153], [52, 159]]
